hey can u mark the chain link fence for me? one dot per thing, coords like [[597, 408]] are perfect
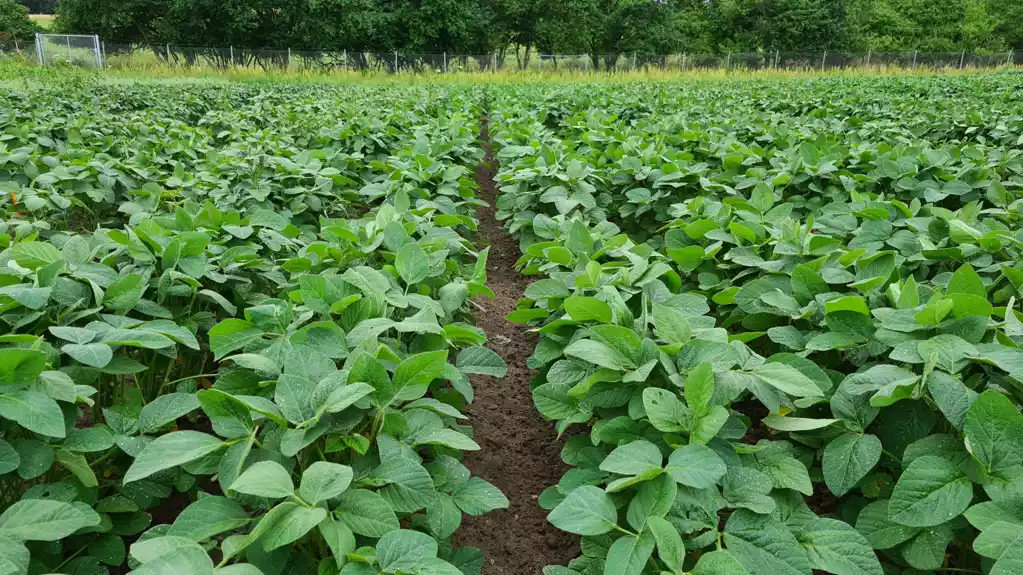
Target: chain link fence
[[90, 51]]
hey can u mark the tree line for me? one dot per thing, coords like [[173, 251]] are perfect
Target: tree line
[[556, 26]]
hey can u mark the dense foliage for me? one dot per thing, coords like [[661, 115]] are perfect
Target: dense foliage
[[237, 331], [574, 27], [781, 319], [14, 21]]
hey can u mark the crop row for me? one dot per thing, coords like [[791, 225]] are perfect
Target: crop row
[[239, 337], [785, 316]]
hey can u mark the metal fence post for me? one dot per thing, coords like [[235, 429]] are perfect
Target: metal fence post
[[914, 58], [39, 49], [168, 54], [728, 61], [16, 47], [99, 53], [539, 62], [445, 62], [961, 58], [103, 49], [289, 58], [232, 55], [69, 56], [824, 58], [1008, 59], [633, 61], [683, 61], [344, 64], [495, 62], [395, 61], [868, 58]]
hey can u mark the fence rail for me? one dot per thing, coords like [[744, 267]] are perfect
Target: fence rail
[[280, 60]]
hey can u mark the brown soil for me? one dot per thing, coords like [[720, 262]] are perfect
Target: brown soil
[[520, 452]]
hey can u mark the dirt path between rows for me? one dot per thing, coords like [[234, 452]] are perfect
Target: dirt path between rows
[[520, 452]]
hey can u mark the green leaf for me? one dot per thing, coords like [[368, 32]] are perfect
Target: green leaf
[[994, 432], [165, 409], [124, 293], [996, 538], [30, 297], [171, 450], [92, 354], [629, 555], [581, 308], [966, 281], [286, 523], [229, 416], [718, 563], [598, 354], [665, 411], [670, 548], [477, 497], [45, 520], [786, 423], [587, 510], [20, 366], [414, 374], [232, 334], [482, 361], [339, 538], [787, 379], [632, 458], [109, 549], [211, 515], [931, 491], [366, 513], [412, 263], [848, 459], [879, 531], [671, 324], [33, 411], [264, 479], [699, 387], [34, 255], [405, 550], [78, 466], [1011, 560], [764, 546], [695, 466], [835, 547], [166, 555], [324, 480]]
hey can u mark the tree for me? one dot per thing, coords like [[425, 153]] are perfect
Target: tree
[[40, 6], [14, 21]]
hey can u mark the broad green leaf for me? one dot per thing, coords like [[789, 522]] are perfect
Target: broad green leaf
[[581, 308], [20, 366], [264, 479], [629, 555], [412, 263], [413, 375], [286, 523], [931, 491], [91, 354], [994, 432], [207, 517], [166, 409], [881, 532], [366, 513], [695, 466], [482, 361], [477, 497], [323, 480], [586, 510], [835, 547], [849, 458], [171, 450], [232, 334], [632, 458], [33, 411], [764, 546], [45, 520], [405, 550], [719, 563], [598, 354], [670, 549], [787, 379]]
